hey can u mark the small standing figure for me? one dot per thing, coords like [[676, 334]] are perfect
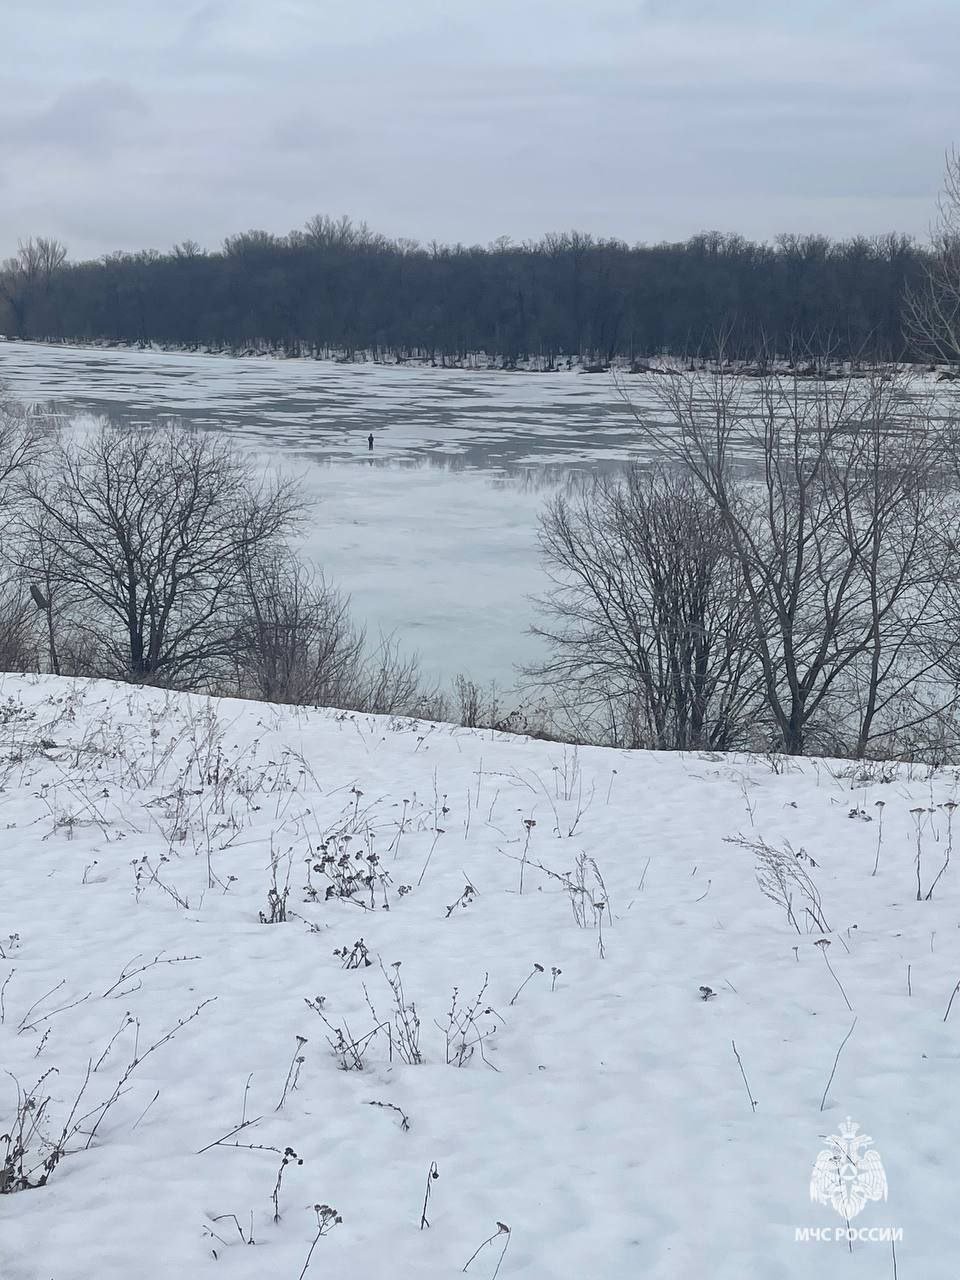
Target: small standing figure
[[370, 442]]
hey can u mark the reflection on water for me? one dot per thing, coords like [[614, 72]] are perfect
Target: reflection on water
[[525, 477]]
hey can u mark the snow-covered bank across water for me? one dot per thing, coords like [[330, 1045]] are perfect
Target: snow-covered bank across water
[[640, 1070]]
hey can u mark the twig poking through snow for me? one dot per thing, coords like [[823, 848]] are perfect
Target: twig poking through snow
[[293, 1074], [432, 1175], [146, 1109], [128, 972], [389, 1106], [823, 1100], [876, 861], [327, 1219], [823, 943], [537, 968], [26, 1016], [288, 1157], [502, 1230], [949, 806], [62, 1008], [126, 1022], [529, 823], [437, 834], [219, 1142], [753, 1101], [135, 1062], [952, 998], [3, 991]]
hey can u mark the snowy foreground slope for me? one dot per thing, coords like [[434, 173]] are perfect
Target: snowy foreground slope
[[601, 1114]]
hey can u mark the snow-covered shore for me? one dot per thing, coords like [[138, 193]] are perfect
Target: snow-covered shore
[[635, 1080]]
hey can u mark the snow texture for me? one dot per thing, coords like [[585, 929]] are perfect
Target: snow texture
[[599, 1110]]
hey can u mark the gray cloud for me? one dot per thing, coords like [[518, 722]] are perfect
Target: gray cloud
[[135, 126], [88, 118]]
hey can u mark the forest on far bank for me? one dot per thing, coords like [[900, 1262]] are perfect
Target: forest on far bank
[[337, 287]]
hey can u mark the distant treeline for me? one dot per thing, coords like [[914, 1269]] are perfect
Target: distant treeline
[[336, 287]]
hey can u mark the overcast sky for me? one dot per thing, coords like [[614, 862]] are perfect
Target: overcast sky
[[126, 124]]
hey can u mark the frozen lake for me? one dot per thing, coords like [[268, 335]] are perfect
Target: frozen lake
[[435, 535]]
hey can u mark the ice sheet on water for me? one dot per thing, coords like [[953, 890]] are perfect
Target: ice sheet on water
[[435, 536]]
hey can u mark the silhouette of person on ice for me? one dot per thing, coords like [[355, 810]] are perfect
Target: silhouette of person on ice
[[370, 442]]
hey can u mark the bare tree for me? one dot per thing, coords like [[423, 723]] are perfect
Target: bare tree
[[140, 537], [933, 308], [833, 502], [18, 636], [895, 498], [650, 628], [391, 682], [295, 641], [27, 276], [21, 445]]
